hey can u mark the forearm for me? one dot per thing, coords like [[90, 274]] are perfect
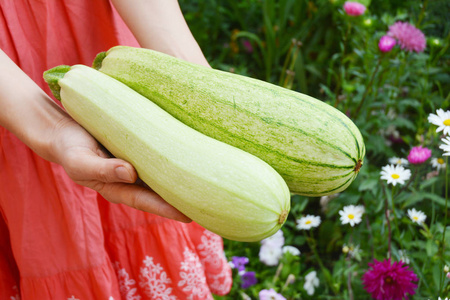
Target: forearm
[[26, 110], [160, 25]]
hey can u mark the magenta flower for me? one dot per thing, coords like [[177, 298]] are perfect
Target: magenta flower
[[389, 281], [408, 36], [248, 46], [248, 279], [386, 43], [419, 155], [354, 8], [270, 295]]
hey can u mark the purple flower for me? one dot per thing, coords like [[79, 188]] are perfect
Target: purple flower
[[408, 36], [419, 155], [239, 262], [354, 8], [270, 295], [248, 279], [389, 281], [386, 43]]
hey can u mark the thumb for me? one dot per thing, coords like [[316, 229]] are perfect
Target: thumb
[[90, 166]]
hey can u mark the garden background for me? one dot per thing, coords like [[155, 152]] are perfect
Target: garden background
[[396, 95]]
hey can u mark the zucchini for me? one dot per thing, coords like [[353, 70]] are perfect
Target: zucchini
[[224, 189], [317, 149]]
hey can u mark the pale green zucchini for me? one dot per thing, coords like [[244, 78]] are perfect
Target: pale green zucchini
[[223, 188], [316, 148]]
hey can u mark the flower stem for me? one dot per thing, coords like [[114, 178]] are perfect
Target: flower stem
[[446, 205], [349, 275], [326, 273], [277, 273], [422, 13], [368, 88], [441, 283], [342, 78], [386, 212]]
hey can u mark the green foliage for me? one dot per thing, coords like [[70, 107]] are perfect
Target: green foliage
[[313, 47]]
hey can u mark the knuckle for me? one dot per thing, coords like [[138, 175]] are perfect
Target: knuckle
[[103, 175], [138, 200]]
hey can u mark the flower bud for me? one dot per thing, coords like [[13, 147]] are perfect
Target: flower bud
[[354, 8], [386, 43]]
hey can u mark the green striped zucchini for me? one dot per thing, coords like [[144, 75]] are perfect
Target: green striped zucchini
[[317, 149], [224, 189]]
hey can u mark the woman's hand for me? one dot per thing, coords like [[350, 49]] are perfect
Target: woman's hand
[[88, 164], [30, 114]]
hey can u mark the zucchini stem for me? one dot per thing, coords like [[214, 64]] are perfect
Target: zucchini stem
[[283, 217], [52, 77], [97, 63]]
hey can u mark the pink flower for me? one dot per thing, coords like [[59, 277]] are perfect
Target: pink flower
[[386, 43], [419, 155], [389, 281], [408, 36], [354, 8]]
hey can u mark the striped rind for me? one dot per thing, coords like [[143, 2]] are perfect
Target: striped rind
[[312, 145], [224, 189]]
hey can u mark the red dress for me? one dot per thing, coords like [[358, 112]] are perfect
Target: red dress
[[59, 240]]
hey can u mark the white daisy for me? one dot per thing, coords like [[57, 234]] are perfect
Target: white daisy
[[416, 216], [395, 174], [351, 214], [438, 163], [398, 161], [441, 119], [308, 222], [446, 146]]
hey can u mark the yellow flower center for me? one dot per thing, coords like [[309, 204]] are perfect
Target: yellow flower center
[[440, 161], [351, 216], [308, 222], [415, 218], [447, 122], [395, 176]]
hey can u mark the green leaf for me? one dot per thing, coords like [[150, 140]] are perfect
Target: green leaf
[[428, 182], [431, 248], [404, 123], [368, 184]]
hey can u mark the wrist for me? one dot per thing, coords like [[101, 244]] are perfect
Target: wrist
[[40, 133], [26, 110]]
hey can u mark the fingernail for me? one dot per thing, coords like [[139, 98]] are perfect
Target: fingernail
[[123, 174]]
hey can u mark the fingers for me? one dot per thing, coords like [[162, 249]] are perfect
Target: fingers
[[113, 178], [140, 198], [89, 166]]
